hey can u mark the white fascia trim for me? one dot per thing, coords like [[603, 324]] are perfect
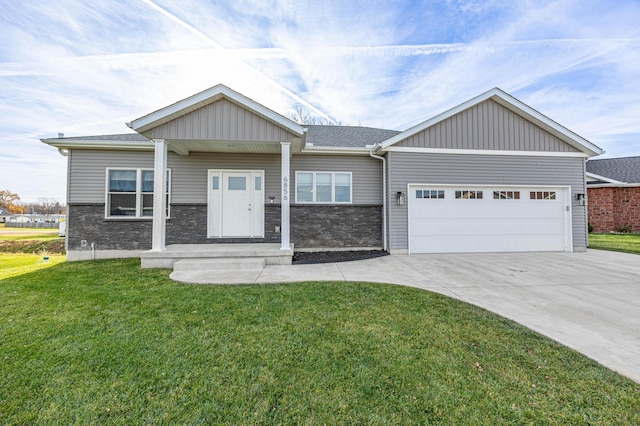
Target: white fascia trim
[[529, 113], [334, 150], [98, 144], [613, 185], [145, 123], [603, 179], [485, 152]]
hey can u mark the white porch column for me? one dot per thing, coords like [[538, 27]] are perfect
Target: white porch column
[[159, 195], [285, 196]]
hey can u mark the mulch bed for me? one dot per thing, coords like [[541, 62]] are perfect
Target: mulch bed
[[300, 258]]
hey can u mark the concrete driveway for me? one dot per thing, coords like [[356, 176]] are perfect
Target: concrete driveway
[[587, 301]]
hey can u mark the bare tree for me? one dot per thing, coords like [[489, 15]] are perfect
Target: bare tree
[[302, 115], [45, 206]]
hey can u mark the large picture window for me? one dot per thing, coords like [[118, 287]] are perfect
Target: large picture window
[[323, 187], [130, 192]]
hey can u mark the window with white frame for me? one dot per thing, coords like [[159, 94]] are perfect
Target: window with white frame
[[130, 192], [468, 195], [542, 195], [323, 187]]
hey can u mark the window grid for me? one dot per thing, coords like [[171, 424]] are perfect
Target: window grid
[[506, 195], [542, 195], [323, 187], [430, 193], [129, 193], [468, 195]]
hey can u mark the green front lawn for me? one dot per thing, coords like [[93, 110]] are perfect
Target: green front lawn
[[628, 243], [106, 342], [15, 264]]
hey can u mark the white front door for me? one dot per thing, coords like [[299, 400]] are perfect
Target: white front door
[[236, 203]]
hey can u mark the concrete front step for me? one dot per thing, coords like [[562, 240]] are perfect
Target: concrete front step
[[220, 264], [272, 253], [230, 276]]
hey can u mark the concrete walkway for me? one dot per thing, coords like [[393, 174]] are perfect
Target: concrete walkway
[[587, 301]]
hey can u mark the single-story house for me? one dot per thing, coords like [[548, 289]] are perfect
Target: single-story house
[[613, 190], [489, 175]]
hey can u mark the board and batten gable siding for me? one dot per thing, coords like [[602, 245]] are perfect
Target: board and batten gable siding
[[418, 168], [222, 121], [487, 126], [87, 171]]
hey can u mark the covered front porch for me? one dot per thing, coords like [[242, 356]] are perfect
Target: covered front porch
[[236, 133]]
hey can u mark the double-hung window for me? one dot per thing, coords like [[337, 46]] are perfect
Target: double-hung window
[[323, 187], [130, 192]]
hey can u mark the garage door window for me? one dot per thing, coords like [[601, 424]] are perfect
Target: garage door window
[[469, 195], [506, 195], [433, 193], [542, 195]]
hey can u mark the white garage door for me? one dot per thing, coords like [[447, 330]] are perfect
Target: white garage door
[[464, 219]]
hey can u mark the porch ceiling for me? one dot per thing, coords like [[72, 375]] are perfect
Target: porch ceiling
[[184, 147]]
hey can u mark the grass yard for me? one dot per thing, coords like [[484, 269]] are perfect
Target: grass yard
[[628, 243], [12, 265], [106, 342]]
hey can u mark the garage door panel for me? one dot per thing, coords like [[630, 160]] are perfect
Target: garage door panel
[[488, 224]]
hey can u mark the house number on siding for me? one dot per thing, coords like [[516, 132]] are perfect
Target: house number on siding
[[285, 189]]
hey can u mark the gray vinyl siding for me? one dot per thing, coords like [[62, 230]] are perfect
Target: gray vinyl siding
[[87, 171], [189, 173], [405, 168], [487, 125], [222, 120], [366, 174]]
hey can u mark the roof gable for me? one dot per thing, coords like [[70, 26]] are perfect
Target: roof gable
[[185, 115], [222, 120], [500, 103]]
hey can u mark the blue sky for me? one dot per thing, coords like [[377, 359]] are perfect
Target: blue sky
[[86, 68]]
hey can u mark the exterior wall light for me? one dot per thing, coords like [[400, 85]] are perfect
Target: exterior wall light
[[580, 199], [401, 198]]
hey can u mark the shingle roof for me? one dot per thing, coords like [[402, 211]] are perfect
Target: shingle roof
[[625, 169], [346, 136]]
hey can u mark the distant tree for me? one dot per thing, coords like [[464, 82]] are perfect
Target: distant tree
[[45, 206], [303, 116], [9, 201]]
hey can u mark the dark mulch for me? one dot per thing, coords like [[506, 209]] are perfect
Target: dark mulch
[[300, 258]]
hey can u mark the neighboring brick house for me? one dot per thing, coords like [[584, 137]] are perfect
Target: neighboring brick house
[[613, 190]]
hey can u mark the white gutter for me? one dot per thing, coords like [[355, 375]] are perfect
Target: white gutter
[[384, 195], [63, 152]]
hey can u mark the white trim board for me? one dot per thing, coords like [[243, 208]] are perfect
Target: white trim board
[[418, 150]]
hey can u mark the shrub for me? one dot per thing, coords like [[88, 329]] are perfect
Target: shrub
[[624, 229]]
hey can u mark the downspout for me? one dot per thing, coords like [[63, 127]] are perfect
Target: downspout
[[384, 194]]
